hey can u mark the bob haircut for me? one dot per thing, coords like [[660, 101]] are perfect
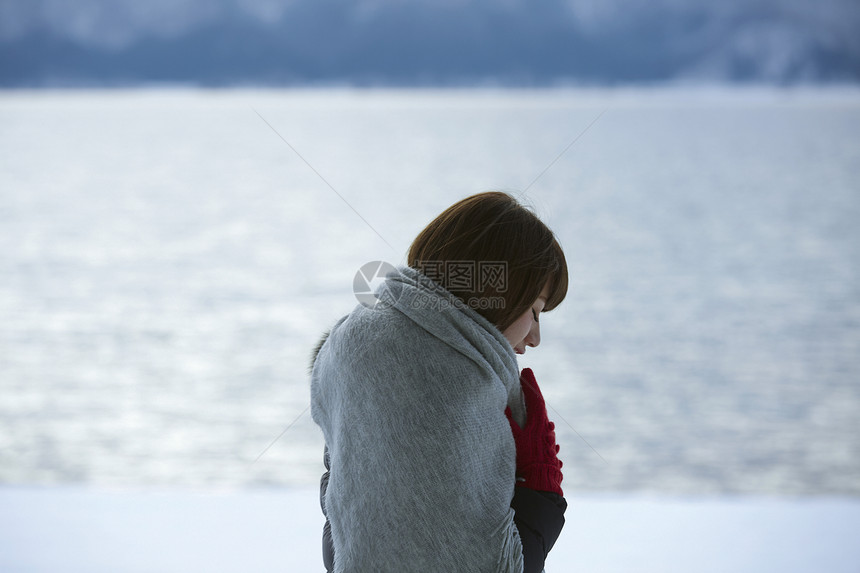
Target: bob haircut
[[507, 251]]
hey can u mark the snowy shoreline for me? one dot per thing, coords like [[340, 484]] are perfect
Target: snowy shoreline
[[122, 531]]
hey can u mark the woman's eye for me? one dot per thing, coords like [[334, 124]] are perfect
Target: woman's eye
[[535, 315]]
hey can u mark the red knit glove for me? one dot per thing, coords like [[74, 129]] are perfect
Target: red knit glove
[[538, 466]]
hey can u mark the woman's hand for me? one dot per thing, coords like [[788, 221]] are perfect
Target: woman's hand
[[538, 466]]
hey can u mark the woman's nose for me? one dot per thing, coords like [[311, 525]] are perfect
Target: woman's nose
[[533, 338]]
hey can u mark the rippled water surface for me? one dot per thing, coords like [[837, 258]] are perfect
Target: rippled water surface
[[167, 261]]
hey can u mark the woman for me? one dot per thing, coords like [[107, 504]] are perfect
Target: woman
[[439, 453]]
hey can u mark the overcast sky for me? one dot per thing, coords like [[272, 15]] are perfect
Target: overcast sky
[[598, 40]]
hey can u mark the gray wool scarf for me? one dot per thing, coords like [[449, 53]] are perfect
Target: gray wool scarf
[[410, 397]]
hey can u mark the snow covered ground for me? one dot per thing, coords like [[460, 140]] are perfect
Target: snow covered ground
[[123, 531]]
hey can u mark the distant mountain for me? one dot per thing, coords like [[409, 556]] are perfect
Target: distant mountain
[[408, 42]]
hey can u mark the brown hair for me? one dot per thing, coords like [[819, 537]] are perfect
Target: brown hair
[[480, 233]]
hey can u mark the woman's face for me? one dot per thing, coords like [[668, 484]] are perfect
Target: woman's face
[[525, 331]]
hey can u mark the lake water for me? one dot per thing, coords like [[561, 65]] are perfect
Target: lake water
[[167, 261]]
